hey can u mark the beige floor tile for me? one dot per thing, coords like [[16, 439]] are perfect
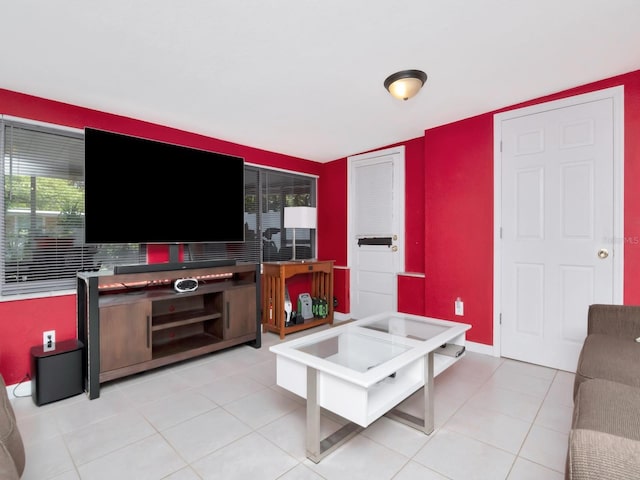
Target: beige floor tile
[[495, 419]]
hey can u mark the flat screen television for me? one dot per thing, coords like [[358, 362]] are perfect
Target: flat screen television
[[139, 190]]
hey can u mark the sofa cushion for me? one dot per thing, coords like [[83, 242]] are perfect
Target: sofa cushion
[[11, 446], [595, 456], [617, 320], [608, 407], [609, 358]]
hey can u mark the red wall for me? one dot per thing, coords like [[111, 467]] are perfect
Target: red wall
[[449, 198], [459, 223], [23, 321], [411, 294], [459, 210], [332, 226], [414, 206], [21, 325]]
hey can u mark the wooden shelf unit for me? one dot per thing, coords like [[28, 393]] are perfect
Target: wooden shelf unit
[[274, 276], [134, 322]]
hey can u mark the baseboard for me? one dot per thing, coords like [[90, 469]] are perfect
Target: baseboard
[[340, 317], [480, 348]]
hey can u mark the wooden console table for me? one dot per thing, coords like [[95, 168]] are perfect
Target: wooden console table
[[274, 278]]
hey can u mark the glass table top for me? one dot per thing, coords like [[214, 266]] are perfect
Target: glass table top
[[356, 352], [407, 327]]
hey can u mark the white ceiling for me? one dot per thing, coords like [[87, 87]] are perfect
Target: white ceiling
[[303, 77]]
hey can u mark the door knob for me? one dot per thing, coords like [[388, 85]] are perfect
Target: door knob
[[603, 253]]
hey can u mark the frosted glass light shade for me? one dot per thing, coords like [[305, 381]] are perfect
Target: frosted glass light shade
[[405, 84]]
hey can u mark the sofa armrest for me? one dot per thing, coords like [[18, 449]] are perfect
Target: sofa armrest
[[7, 467], [595, 455], [616, 320]]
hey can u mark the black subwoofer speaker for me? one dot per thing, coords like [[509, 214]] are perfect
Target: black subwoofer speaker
[[56, 374]]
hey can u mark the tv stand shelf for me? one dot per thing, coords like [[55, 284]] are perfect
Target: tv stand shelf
[[133, 322], [173, 320], [192, 343]]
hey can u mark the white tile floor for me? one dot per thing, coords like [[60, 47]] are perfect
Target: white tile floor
[[223, 417]]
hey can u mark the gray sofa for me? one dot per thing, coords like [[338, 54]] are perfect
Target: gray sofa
[[12, 457], [604, 442]]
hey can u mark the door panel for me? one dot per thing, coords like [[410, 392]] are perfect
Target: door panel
[[557, 212], [374, 285], [239, 312], [125, 337]]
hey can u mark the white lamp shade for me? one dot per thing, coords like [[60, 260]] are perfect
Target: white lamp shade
[[300, 217]]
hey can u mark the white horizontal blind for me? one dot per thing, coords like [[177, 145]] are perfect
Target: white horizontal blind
[[42, 228], [374, 200]]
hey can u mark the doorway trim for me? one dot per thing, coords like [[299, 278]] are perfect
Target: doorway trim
[[617, 96]]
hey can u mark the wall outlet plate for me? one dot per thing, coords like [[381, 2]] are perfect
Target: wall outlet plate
[[459, 307], [49, 340]]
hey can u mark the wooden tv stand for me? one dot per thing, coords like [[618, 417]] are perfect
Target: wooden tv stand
[[134, 322]]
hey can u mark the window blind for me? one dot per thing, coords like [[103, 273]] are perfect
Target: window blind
[[42, 229]]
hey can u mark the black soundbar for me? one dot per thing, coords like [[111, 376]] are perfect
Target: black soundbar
[[161, 267]]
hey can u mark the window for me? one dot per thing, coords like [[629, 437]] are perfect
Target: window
[[42, 226], [267, 192], [281, 190]]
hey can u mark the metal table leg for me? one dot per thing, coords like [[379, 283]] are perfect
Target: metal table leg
[[317, 449], [426, 423]]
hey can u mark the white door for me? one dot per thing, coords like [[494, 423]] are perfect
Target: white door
[[558, 244], [375, 230]]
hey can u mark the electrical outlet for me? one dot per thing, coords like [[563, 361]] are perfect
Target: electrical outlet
[[459, 307], [49, 340]]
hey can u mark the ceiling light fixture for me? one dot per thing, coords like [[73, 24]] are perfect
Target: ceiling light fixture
[[405, 84]]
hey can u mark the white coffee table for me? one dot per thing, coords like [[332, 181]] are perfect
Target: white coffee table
[[363, 369]]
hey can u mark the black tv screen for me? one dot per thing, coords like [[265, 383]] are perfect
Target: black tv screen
[[145, 191]]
